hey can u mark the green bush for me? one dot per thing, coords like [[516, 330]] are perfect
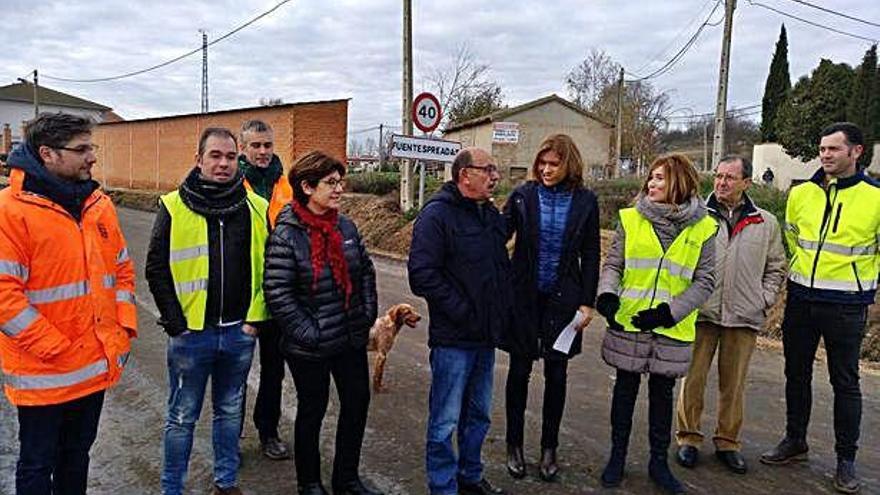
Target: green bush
[[378, 183], [620, 193]]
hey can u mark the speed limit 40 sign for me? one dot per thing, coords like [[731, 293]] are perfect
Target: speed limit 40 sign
[[426, 112]]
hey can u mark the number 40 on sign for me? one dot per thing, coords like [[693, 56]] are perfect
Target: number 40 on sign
[[426, 113]]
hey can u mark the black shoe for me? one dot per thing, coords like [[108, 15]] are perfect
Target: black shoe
[[687, 456], [354, 487], [846, 480], [612, 475], [516, 463], [659, 472], [311, 489], [733, 460], [549, 469], [483, 487], [275, 449], [786, 452]]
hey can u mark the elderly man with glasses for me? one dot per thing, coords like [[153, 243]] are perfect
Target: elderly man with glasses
[[750, 269], [459, 264]]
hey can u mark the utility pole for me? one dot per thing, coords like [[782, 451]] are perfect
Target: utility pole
[[706, 146], [204, 70], [406, 175], [723, 72], [381, 148], [36, 85], [617, 145]]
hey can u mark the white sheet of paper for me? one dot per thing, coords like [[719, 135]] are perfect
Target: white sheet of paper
[[566, 337]]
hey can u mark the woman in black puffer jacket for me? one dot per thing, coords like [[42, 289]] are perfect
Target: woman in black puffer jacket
[[320, 286]]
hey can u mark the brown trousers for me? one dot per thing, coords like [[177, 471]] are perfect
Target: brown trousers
[[735, 346]]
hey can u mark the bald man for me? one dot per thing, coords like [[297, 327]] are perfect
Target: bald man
[[459, 264]]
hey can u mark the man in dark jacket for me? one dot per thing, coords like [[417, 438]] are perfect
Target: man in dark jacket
[[459, 264], [205, 271], [264, 175]]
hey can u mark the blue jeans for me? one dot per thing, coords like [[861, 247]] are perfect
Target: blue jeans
[[460, 401], [224, 354]]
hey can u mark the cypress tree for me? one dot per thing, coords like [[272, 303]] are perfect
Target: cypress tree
[[776, 90], [815, 102], [863, 101]]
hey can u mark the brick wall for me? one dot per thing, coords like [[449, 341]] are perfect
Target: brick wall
[[156, 154]]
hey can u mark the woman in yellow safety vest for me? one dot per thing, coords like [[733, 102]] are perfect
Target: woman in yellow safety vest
[[658, 272]]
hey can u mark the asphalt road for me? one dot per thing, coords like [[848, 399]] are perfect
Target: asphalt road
[[126, 458]]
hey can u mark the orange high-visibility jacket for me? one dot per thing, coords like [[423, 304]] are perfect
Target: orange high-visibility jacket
[[282, 193], [67, 308]]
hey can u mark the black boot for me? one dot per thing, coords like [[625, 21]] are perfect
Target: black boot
[[549, 468], [626, 389], [660, 433], [516, 462], [311, 489]]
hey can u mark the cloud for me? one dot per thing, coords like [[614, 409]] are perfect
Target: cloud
[[352, 48]]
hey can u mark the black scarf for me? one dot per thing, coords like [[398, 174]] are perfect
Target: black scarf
[[70, 195], [261, 179], [210, 198]]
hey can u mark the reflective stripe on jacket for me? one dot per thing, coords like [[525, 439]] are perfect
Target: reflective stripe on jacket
[[833, 234], [66, 297], [188, 258], [652, 276], [282, 194]]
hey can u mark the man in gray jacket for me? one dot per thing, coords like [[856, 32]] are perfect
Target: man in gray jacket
[[750, 269]]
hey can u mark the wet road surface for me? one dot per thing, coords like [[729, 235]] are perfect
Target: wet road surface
[[126, 458]]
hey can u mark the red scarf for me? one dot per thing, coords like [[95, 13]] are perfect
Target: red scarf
[[325, 242]]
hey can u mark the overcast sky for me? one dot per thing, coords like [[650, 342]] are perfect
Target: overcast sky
[[316, 50]]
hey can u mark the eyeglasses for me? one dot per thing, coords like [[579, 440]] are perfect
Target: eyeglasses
[[334, 183], [489, 169], [727, 178], [81, 149]]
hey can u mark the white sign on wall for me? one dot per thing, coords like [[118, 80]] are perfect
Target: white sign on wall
[[505, 132], [435, 150]]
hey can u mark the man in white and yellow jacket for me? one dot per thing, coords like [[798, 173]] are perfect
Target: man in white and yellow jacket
[[832, 230]]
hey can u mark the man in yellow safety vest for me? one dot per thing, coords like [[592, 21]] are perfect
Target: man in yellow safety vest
[[832, 230], [205, 270]]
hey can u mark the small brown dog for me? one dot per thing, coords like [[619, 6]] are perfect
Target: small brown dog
[[382, 337]]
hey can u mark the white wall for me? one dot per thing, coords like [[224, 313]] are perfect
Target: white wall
[[15, 113], [786, 169]]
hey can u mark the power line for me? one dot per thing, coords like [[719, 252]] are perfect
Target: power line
[[786, 14], [678, 56], [176, 59], [841, 14], [710, 114], [668, 45]]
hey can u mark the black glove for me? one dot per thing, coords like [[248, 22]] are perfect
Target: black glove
[[649, 319], [607, 305]]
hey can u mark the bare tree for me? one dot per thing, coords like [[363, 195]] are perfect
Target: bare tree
[[592, 85], [465, 87], [270, 102], [588, 81]]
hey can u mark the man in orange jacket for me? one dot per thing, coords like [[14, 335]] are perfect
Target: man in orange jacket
[[264, 175], [67, 308]]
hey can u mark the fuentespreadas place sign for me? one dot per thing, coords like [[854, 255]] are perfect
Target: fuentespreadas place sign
[[415, 148]]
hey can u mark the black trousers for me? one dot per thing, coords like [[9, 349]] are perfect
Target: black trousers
[[623, 401], [54, 446], [267, 408], [312, 379], [842, 327], [516, 397]]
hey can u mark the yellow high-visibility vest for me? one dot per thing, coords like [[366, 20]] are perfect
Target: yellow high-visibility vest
[[833, 235], [652, 276], [188, 258]]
